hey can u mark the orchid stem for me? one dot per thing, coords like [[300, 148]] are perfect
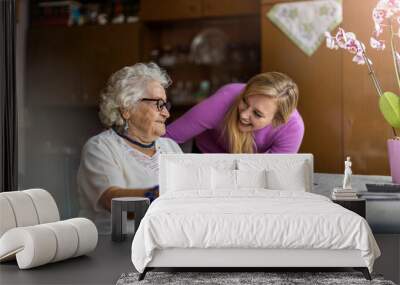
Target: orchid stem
[[371, 73], [375, 80], [393, 48], [395, 61]]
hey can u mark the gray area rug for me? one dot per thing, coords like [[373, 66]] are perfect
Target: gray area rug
[[269, 278]]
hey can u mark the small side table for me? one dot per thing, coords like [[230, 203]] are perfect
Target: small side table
[[119, 209], [355, 205]]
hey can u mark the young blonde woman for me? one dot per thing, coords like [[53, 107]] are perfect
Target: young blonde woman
[[257, 117]]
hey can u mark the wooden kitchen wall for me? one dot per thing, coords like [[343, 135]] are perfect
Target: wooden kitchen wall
[[365, 131], [337, 99]]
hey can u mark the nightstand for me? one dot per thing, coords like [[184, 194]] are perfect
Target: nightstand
[[355, 205], [119, 209]]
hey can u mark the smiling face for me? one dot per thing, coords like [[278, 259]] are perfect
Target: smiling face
[[256, 112], [145, 121]]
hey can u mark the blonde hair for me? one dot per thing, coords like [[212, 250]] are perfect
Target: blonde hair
[[275, 85], [126, 87]]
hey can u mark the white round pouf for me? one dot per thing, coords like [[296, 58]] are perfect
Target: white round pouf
[[23, 208], [7, 216], [45, 205]]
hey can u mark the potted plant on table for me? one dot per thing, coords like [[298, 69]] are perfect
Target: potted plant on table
[[386, 16]]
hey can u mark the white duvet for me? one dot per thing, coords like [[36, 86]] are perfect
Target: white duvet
[[252, 218]]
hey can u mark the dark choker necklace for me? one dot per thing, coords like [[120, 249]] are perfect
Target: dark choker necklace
[[150, 145]]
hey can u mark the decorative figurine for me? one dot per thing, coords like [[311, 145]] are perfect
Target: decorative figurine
[[347, 174]]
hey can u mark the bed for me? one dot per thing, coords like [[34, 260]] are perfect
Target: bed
[[246, 211]]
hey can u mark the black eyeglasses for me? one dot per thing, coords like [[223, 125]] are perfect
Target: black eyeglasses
[[160, 103]]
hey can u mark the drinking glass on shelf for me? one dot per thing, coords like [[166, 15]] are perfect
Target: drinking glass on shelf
[[167, 58]]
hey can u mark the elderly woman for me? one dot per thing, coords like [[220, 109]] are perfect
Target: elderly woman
[[123, 160]]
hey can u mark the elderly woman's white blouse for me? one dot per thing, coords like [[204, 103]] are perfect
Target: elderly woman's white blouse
[[108, 161]]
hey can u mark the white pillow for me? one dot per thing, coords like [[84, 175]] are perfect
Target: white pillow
[[288, 178], [291, 175], [223, 179], [226, 179], [182, 177], [251, 178]]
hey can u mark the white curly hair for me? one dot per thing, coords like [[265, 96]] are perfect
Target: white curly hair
[[125, 88]]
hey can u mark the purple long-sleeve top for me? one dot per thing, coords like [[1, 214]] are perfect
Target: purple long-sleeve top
[[204, 122]]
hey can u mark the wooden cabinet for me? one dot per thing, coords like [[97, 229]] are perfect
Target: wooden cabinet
[[173, 40], [104, 51], [161, 10], [212, 8], [70, 65], [337, 99], [164, 10]]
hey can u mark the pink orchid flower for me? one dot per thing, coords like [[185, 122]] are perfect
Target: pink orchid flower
[[382, 16], [341, 38], [378, 30], [377, 44], [379, 15], [392, 6], [347, 41], [383, 13], [353, 46], [386, 14], [359, 59]]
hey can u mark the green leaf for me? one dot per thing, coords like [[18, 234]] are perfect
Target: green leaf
[[389, 104]]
